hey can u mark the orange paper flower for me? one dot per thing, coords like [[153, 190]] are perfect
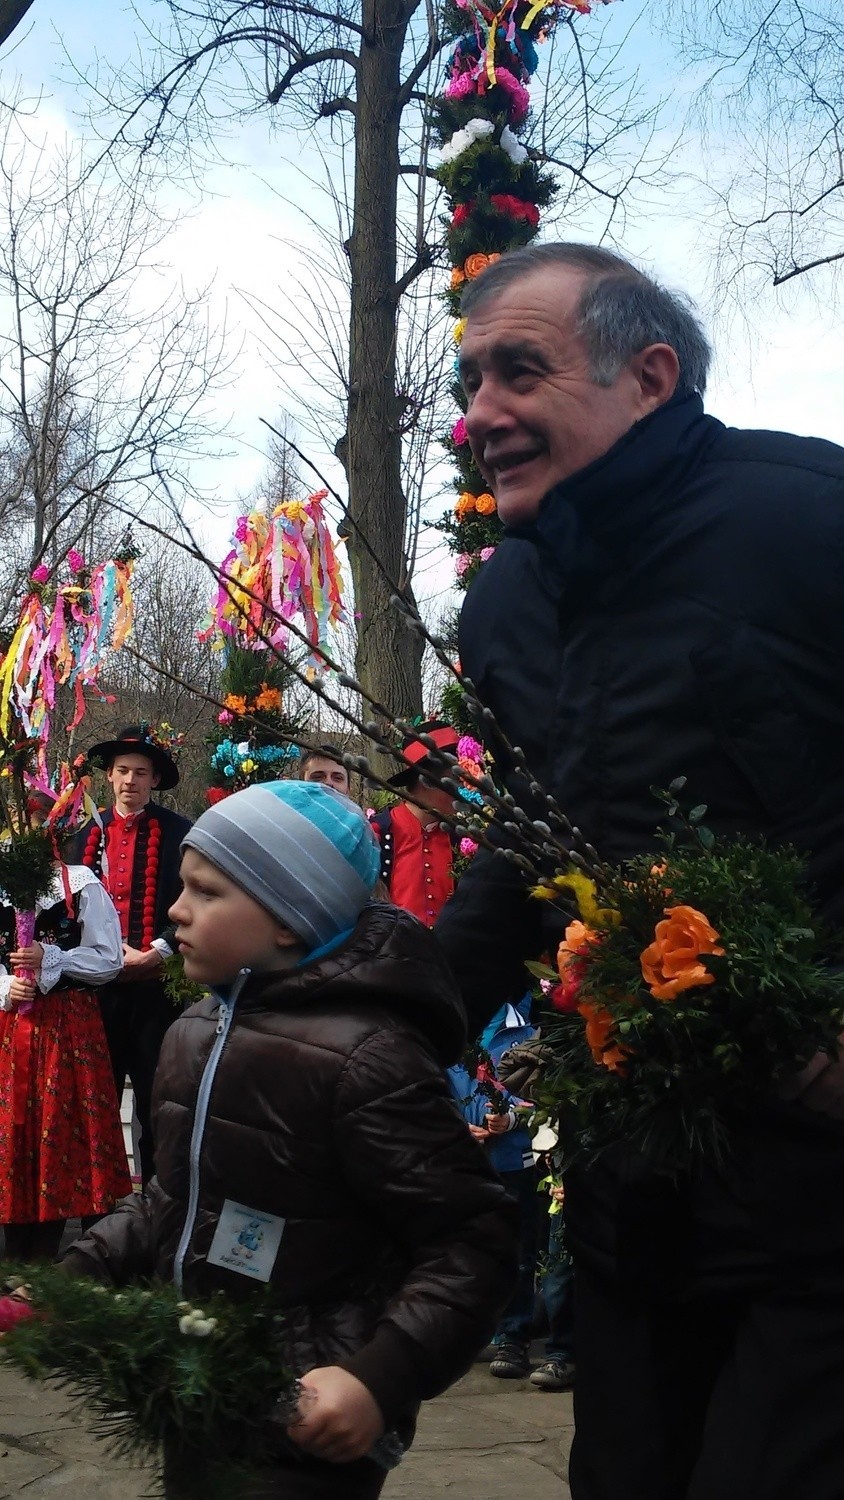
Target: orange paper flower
[[475, 265], [485, 505], [457, 278], [671, 963], [268, 700], [464, 505], [236, 704]]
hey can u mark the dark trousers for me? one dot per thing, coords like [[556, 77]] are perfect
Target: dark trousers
[[558, 1295], [516, 1320], [710, 1347], [135, 1017]]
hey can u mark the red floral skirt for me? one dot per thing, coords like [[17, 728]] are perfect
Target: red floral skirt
[[61, 1141]]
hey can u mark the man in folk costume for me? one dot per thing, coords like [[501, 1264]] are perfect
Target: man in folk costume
[[417, 852], [134, 849]]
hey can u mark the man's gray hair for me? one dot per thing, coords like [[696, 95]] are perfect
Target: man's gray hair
[[621, 310]]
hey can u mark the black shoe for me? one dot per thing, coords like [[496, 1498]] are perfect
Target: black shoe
[[554, 1375], [511, 1361]]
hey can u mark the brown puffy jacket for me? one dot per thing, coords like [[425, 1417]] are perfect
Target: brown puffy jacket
[[329, 1107]]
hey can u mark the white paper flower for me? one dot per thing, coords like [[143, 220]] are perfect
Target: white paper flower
[[474, 130], [512, 147]]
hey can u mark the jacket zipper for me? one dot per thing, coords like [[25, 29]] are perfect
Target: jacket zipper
[[203, 1099]]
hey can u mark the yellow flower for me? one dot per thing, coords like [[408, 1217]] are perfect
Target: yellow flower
[[584, 891], [459, 330], [248, 766]]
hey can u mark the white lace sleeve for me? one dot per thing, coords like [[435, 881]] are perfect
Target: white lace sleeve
[[99, 956]]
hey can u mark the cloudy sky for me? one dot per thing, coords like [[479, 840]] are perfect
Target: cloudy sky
[[778, 362]]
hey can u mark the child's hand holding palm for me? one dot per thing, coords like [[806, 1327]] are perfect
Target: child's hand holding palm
[[338, 1419]]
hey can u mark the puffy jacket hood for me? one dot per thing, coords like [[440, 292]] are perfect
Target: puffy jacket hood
[[390, 963]]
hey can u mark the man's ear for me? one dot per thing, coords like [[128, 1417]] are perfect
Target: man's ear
[[156, 779], [657, 370]]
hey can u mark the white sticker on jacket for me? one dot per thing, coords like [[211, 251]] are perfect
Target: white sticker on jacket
[[246, 1241]]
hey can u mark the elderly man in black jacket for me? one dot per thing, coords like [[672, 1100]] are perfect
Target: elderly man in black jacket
[[668, 600]]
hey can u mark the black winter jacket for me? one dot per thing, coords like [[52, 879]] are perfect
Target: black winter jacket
[[676, 609], [329, 1107]]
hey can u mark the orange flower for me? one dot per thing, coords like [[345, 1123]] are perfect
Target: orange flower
[[671, 963], [599, 1025], [485, 505], [464, 505], [475, 264], [236, 704], [268, 699], [574, 946], [457, 278]]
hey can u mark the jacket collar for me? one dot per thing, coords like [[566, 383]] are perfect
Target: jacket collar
[[638, 477]]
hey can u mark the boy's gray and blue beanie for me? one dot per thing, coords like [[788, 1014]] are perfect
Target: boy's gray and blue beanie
[[303, 852]]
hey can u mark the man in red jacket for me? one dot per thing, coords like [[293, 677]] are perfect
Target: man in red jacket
[[417, 851]]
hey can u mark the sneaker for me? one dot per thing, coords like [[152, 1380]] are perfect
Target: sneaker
[[555, 1375], [511, 1362]]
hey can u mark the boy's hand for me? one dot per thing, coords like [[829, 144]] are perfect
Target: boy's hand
[[478, 1134], [137, 962], [339, 1419], [498, 1124]]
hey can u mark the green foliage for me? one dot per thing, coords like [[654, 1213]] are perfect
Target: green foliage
[[693, 1064], [27, 861], [180, 990], [149, 1368]]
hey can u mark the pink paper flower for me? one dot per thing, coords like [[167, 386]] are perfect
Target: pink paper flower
[[468, 847], [241, 530], [469, 747], [75, 561], [486, 553], [460, 85], [41, 573], [225, 716], [516, 92], [458, 432], [463, 562]]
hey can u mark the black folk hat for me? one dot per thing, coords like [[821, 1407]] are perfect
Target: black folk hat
[[418, 756], [138, 739]]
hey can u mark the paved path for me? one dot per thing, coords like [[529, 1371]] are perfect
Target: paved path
[[485, 1438]]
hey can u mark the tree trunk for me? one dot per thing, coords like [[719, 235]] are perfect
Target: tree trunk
[[388, 655]]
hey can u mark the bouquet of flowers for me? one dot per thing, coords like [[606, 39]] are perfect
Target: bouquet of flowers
[[150, 1368], [693, 984], [481, 1069]]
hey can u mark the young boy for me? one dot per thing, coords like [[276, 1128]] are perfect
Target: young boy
[[308, 1093]]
